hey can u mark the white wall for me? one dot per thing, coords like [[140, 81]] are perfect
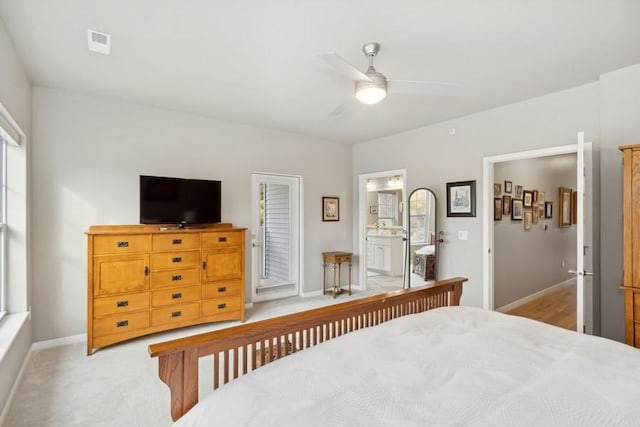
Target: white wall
[[433, 157], [15, 337], [89, 152], [526, 262]]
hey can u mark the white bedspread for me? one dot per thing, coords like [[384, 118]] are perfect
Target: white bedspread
[[456, 366]]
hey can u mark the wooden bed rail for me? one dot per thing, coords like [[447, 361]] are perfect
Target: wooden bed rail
[[240, 349]]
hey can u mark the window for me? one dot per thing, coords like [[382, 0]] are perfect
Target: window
[[10, 135], [387, 208], [4, 138]]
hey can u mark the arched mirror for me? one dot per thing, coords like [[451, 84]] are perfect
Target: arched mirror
[[422, 238]]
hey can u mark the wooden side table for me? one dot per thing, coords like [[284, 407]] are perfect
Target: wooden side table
[[335, 259]]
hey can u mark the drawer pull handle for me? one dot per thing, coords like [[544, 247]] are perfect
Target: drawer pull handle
[[176, 241], [122, 304], [221, 306], [176, 259], [176, 313], [146, 270], [204, 265], [222, 239], [123, 244], [122, 323], [176, 278], [222, 289], [177, 295]]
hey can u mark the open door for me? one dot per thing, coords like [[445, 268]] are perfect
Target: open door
[[585, 314], [275, 236]]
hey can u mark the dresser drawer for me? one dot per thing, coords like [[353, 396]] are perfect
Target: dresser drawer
[[221, 239], [166, 260], [106, 306], [118, 324], [175, 314], [213, 307], [175, 296], [224, 288], [173, 278], [121, 244], [175, 242]]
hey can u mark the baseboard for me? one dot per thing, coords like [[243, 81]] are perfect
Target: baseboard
[[14, 389], [522, 301], [248, 306], [57, 342]]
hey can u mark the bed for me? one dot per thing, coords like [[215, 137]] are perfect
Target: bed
[[432, 364]]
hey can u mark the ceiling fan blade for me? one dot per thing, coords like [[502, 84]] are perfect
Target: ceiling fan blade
[[342, 108], [421, 86], [341, 65]]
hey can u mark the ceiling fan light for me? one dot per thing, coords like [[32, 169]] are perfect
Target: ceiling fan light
[[371, 94]]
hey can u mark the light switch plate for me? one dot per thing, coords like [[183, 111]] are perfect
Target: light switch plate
[[463, 235]]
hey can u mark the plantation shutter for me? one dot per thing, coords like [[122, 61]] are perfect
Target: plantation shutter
[[277, 235]]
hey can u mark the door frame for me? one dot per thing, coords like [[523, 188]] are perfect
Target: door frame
[[488, 164], [297, 246], [362, 219]]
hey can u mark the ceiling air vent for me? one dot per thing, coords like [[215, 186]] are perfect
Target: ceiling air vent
[[99, 42]]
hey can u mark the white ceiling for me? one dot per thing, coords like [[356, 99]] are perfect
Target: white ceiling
[[256, 61]]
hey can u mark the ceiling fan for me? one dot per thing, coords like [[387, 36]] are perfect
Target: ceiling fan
[[371, 86]]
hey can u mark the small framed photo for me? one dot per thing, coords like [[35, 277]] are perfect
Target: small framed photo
[[528, 219], [497, 189], [373, 209], [518, 194], [461, 199], [548, 209], [506, 205], [516, 209], [507, 187], [497, 209], [535, 196], [541, 197], [540, 208], [330, 209], [564, 213], [534, 214], [527, 198]]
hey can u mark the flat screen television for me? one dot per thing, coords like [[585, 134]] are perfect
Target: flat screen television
[[179, 201]]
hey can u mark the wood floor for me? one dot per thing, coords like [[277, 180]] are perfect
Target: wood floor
[[556, 308]]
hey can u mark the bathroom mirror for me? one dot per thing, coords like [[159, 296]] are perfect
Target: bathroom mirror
[[422, 248]]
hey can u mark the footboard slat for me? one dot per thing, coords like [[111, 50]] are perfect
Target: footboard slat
[[262, 342]]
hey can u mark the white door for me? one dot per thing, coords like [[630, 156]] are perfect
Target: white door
[[584, 239], [275, 236]]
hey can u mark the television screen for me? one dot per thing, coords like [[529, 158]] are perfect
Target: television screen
[[179, 201]]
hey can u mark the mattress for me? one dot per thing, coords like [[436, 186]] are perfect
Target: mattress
[[445, 367]]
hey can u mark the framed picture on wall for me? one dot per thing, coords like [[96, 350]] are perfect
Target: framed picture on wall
[[497, 189], [527, 198], [518, 194], [497, 208], [507, 187], [330, 209], [548, 209], [373, 209], [564, 207], [516, 209], [461, 198], [528, 219], [506, 205]]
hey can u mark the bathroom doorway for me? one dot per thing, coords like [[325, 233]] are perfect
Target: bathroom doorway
[[382, 230]]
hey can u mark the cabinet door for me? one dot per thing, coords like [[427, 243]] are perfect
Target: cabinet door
[[116, 274], [386, 257], [221, 264]]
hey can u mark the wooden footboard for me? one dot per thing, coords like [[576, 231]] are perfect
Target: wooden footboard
[[240, 349]]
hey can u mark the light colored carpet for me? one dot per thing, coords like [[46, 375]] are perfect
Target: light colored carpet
[[118, 385]]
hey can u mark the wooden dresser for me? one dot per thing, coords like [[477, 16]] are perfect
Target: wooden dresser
[[147, 278], [631, 242]]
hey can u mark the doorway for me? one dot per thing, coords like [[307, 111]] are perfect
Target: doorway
[[276, 236], [383, 221], [585, 243]]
